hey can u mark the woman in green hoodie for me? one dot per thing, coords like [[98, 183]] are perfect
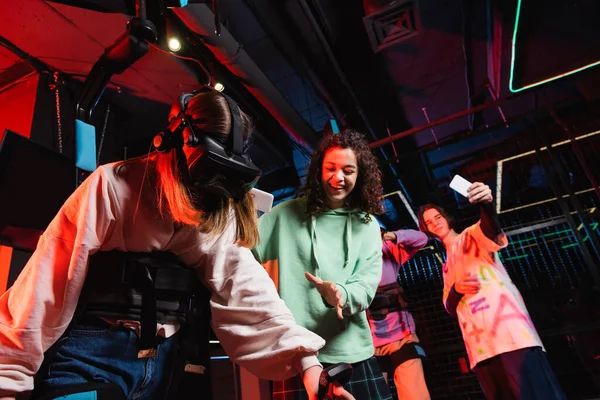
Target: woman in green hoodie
[[323, 251]]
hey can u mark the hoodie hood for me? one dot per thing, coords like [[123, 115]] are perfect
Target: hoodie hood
[[353, 216]]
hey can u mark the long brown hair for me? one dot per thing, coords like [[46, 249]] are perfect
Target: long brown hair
[[367, 193], [209, 112], [443, 213]]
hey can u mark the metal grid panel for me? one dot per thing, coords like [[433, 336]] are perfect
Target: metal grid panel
[[543, 258]]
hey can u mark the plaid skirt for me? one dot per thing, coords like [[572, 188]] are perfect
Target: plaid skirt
[[367, 383]]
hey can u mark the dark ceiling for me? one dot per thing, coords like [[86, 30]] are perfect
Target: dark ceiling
[[383, 67]]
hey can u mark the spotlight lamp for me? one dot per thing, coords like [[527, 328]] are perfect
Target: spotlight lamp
[[174, 44]]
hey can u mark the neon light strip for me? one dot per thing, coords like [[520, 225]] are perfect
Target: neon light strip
[[500, 163], [499, 187], [516, 257], [556, 233], [587, 135], [509, 229], [406, 204], [408, 207], [512, 61], [566, 246], [515, 242], [543, 201]]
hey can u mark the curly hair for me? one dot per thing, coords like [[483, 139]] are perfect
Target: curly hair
[[368, 191]]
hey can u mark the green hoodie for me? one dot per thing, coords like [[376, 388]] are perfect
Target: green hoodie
[[336, 246]]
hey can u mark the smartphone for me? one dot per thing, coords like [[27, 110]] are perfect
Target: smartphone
[[460, 185], [263, 201]]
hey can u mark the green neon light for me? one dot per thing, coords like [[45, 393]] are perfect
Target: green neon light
[[593, 225], [569, 230], [532, 239], [516, 257], [566, 246], [521, 241], [512, 61]]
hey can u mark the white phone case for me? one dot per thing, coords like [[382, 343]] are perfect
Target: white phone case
[[460, 184]]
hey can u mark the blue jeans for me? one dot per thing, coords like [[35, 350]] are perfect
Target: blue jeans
[[97, 353]]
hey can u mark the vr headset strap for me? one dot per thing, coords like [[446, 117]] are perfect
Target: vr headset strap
[[235, 140]]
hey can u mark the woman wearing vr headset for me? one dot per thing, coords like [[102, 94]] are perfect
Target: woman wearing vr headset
[[323, 250], [190, 198]]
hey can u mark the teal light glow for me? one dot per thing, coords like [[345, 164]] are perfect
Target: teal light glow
[[512, 62]]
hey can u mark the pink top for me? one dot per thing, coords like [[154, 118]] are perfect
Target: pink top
[[400, 324]]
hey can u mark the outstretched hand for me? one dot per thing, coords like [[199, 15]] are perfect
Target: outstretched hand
[[468, 284], [390, 236], [337, 391], [329, 291], [479, 193], [310, 379]]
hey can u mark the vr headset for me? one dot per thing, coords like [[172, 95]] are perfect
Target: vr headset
[[226, 161]]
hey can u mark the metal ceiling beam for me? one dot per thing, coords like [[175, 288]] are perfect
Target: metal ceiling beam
[[342, 76], [200, 20], [276, 27], [336, 65], [443, 120]]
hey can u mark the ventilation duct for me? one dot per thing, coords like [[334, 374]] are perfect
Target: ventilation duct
[[389, 22]]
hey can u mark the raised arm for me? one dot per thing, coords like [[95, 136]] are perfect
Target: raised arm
[[408, 243], [479, 193], [490, 226], [37, 309]]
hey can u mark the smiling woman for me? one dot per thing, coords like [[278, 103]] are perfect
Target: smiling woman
[[349, 154], [338, 175], [324, 252], [503, 346]]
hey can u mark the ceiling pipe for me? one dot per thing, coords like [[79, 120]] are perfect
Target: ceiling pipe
[[335, 64], [437, 122], [200, 20], [338, 69], [271, 22]]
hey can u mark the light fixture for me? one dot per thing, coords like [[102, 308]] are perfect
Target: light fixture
[[219, 87], [174, 44]]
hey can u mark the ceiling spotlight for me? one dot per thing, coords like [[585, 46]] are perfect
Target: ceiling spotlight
[[219, 87], [174, 44]]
